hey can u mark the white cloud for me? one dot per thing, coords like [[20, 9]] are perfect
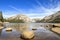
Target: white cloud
[[38, 11]]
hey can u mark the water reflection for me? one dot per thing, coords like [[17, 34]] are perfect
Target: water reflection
[[1, 28], [0, 32], [40, 34], [11, 34], [19, 27]]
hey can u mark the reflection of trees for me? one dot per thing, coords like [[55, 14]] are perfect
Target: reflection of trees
[[0, 31]]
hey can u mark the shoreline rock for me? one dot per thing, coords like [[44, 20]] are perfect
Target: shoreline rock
[[56, 29], [57, 25]]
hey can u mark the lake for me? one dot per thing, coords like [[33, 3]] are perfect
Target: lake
[[40, 34]]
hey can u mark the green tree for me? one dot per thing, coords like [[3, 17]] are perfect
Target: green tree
[[15, 21], [1, 16]]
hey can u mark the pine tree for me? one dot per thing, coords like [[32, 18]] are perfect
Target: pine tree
[[1, 16]]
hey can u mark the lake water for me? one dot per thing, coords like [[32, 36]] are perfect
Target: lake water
[[40, 34]]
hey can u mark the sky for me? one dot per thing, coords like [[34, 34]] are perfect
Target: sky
[[31, 8]]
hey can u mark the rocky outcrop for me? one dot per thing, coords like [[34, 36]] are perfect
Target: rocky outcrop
[[56, 29], [57, 25]]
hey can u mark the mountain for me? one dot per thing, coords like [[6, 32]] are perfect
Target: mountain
[[19, 18], [54, 18], [37, 20]]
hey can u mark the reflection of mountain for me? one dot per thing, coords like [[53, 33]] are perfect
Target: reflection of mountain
[[19, 18], [55, 18], [19, 26]]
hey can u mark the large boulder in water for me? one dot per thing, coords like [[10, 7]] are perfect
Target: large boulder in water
[[27, 34]]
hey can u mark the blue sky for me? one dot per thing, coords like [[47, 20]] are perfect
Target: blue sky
[[31, 8]]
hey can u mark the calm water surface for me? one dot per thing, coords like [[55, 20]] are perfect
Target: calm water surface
[[40, 34]]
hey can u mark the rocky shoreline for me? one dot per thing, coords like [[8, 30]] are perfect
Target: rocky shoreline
[[55, 32], [54, 28]]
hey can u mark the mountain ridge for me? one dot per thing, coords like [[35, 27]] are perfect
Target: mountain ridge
[[52, 18]]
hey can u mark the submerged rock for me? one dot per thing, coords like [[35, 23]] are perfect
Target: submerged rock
[[8, 29], [34, 28], [48, 26], [27, 35]]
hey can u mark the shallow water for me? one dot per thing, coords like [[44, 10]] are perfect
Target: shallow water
[[40, 34]]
